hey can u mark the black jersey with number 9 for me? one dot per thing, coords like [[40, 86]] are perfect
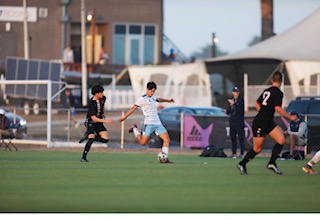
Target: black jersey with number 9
[[269, 99]]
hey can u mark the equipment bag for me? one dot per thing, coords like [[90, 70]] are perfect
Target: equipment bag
[[212, 151]]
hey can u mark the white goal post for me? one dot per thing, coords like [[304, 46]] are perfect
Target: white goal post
[[50, 97]]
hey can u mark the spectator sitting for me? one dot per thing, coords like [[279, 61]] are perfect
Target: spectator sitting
[[297, 134], [4, 121]]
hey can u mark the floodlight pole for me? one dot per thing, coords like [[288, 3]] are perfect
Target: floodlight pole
[[84, 79]]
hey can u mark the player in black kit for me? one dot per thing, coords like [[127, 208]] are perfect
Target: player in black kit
[[263, 124], [95, 119]]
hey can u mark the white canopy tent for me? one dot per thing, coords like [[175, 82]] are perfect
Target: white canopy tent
[[187, 84]]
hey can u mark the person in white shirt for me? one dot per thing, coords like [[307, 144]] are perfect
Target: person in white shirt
[[68, 55], [68, 58], [147, 103]]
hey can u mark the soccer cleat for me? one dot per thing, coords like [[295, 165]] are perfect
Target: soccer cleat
[[242, 169], [84, 137], [274, 168], [84, 160], [131, 129], [308, 169], [241, 156]]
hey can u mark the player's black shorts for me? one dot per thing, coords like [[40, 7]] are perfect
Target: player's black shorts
[[95, 128], [261, 129]]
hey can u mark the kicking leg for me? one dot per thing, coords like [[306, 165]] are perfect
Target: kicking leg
[[143, 140], [308, 167], [102, 137]]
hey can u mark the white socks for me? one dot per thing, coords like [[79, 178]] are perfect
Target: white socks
[[315, 159], [166, 150], [136, 132]]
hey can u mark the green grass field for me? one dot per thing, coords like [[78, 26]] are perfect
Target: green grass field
[[36, 181]]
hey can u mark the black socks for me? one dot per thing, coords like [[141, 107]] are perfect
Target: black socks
[[249, 156], [87, 148], [90, 142], [275, 152]]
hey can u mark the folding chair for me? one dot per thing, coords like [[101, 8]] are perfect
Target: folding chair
[[299, 152], [7, 135]]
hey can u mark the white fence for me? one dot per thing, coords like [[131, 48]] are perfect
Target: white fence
[[124, 96]]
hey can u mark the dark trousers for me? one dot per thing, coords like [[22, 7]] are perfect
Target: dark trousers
[[234, 131]]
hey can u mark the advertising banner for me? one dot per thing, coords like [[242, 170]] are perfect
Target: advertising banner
[[201, 131], [11, 13]]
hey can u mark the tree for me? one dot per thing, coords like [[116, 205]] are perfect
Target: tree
[[206, 52], [254, 40]]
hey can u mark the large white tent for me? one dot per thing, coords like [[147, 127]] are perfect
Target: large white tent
[[295, 51]]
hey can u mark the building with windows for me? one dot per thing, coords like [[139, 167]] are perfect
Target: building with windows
[[128, 31]]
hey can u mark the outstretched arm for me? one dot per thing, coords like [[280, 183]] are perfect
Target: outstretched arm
[[128, 113], [285, 114], [96, 119], [165, 100]]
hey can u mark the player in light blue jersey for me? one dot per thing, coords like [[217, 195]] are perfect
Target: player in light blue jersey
[[147, 103]]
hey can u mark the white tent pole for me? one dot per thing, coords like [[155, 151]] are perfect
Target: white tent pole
[[245, 91], [113, 101], [318, 84]]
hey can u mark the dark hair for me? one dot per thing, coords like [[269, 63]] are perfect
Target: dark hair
[[277, 76], [151, 85], [96, 89], [294, 113]]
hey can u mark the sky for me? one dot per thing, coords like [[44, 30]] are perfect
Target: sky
[[191, 23]]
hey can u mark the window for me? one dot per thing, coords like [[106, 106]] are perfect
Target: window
[[134, 44], [120, 29], [135, 29], [119, 50], [149, 30], [148, 50]]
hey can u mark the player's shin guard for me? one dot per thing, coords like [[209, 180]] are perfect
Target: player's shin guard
[[100, 139], [275, 152], [249, 156], [87, 148]]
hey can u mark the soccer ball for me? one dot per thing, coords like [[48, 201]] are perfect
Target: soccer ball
[[162, 157]]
